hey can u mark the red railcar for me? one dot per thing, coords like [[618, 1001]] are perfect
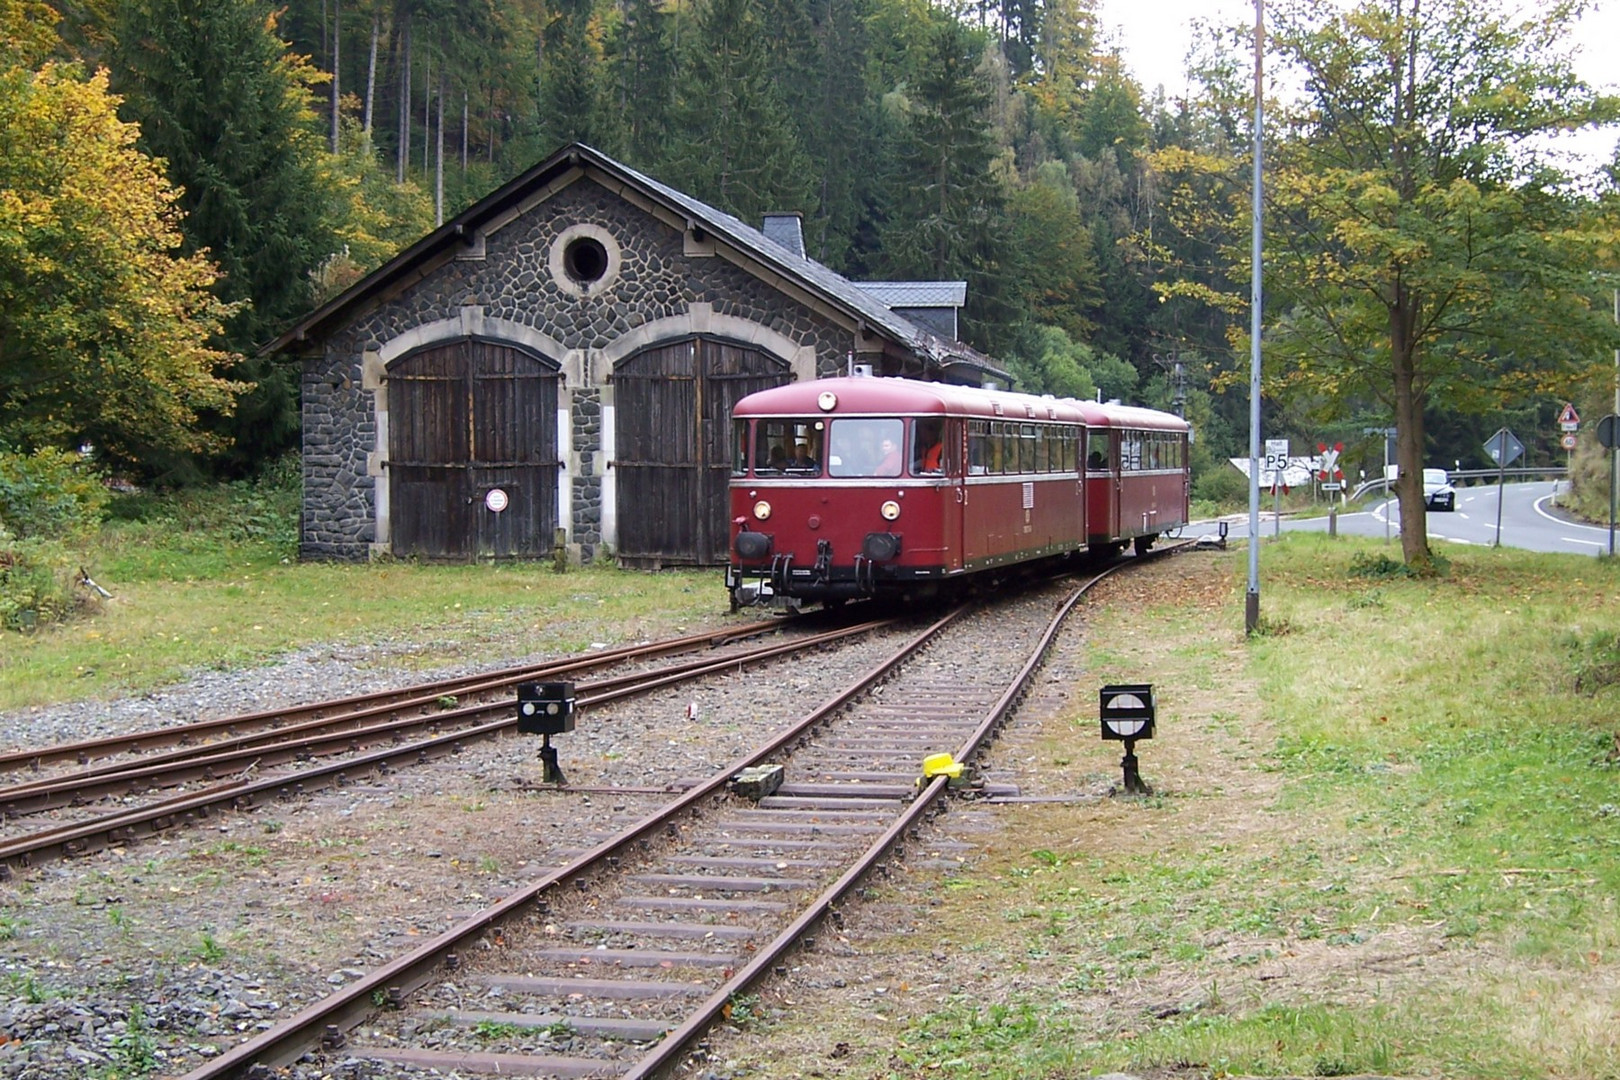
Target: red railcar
[[1137, 478], [838, 490]]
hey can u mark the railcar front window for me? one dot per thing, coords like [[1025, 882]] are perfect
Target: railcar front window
[[865, 447], [785, 447]]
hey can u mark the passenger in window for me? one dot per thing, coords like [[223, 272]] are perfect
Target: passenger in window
[[778, 459], [888, 458], [801, 458], [1096, 460]]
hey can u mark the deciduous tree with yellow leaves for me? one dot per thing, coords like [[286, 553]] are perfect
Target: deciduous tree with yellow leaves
[[104, 324]]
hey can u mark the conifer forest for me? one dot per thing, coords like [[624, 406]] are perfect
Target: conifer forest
[[1431, 260]]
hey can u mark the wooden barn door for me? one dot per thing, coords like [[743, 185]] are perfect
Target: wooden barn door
[[673, 453], [464, 419]]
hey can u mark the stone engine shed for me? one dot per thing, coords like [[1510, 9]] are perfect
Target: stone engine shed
[[559, 363]]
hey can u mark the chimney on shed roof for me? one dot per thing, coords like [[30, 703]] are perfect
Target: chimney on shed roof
[[786, 227]]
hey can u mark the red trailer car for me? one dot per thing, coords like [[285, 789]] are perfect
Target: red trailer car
[[1137, 477]]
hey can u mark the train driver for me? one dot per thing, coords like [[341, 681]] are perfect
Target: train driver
[[929, 447]]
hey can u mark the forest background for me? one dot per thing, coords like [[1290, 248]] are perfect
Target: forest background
[[184, 178]]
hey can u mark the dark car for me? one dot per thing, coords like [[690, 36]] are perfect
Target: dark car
[[1438, 494]]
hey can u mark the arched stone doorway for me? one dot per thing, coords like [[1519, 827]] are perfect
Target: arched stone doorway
[[472, 452], [672, 458]]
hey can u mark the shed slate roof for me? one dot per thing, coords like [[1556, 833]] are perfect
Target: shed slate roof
[[833, 287], [917, 294]]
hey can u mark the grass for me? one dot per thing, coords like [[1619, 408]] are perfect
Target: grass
[[211, 580], [1385, 840]]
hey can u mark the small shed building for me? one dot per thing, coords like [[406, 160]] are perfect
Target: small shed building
[[557, 365]]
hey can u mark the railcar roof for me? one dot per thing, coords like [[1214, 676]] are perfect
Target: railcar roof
[[905, 397], [1114, 415]]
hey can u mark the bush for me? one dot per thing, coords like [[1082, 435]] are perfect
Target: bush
[[1223, 486], [49, 494], [37, 584]]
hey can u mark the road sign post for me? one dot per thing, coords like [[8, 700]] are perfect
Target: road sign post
[[1607, 439], [1277, 465], [1569, 422], [1503, 447]]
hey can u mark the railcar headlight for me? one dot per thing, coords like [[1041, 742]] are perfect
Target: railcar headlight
[[891, 510], [828, 401], [762, 510]]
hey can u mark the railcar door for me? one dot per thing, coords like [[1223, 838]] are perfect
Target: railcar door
[[954, 496], [1102, 485]]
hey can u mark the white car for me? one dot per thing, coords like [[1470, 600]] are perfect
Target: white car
[[1438, 494]]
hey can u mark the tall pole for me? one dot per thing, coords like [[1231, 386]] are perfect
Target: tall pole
[[1614, 451], [1251, 603], [1386, 483]]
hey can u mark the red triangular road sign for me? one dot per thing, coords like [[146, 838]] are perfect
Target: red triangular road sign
[[1569, 415]]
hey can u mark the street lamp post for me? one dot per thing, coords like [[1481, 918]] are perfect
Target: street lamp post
[[1251, 605]]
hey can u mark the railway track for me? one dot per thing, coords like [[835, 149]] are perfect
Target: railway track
[[614, 964], [237, 763]]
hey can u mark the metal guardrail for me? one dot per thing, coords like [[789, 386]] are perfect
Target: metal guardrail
[[1468, 477]]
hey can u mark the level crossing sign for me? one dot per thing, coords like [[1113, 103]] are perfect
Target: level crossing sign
[[1328, 469]]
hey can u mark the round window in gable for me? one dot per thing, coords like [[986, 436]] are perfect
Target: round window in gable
[[585, 260]]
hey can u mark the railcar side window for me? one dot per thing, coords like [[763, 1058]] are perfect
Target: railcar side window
[[978, 447], [865, 447], [739, 447], [1130, 452], [1097, 449], [927, 446]]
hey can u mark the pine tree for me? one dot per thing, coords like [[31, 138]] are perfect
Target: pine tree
[[736, 145], [838, 121], [948, 212], [571, 104], [224, 104], [642, 62]]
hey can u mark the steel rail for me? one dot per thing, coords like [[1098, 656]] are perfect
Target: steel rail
[[673, 1045], [242, 793], [328, 1018], [419, 694], [328, 1021], [345, 734]]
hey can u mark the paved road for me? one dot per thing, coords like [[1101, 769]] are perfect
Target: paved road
[[1529, 520]]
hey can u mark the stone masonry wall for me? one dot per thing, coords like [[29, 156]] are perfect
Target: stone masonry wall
[[515, 282]]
